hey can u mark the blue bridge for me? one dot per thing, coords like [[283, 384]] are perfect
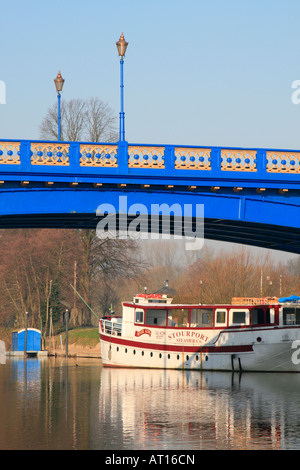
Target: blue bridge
[[250, 196]]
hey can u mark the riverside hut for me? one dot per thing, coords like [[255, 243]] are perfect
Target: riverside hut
[[33, 340]]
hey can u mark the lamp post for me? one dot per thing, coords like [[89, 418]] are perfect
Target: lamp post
[[59, 83], [122, 46], [67, 332]]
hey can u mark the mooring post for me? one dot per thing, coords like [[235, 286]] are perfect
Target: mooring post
[[67, 319]]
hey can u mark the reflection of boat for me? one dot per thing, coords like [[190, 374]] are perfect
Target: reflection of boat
[[250, 335], [147, 409]]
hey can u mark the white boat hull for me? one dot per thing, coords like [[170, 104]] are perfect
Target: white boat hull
[[232, 350]]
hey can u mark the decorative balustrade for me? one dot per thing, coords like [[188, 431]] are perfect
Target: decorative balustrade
[[238, 160], [192, 158], [146, 157], [283, 162], [97, 155], [49, 154], [10, 153], [122, 159]]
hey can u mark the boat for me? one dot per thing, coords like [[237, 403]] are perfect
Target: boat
[[250, 334]]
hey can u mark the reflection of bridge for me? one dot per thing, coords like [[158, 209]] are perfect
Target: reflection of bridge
[[250, 196]]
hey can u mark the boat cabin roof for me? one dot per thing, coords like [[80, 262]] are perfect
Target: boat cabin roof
[[162, 300]]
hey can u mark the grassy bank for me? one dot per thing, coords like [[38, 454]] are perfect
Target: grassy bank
[[82, 342], [83, 337]]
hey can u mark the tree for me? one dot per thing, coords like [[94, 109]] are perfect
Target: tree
[[32, 261], [81, 120], [104, 263], [100, 122], [234, 274]]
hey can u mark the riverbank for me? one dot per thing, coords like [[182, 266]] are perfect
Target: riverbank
[[75, 350], [82, 342]]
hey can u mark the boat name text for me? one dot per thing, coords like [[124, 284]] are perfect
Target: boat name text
[[145, 331], [187, 336]]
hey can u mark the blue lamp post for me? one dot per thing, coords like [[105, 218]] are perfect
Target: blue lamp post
[[122, 46], [59, 83]]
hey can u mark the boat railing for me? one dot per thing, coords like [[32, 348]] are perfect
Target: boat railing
[[112, 327]]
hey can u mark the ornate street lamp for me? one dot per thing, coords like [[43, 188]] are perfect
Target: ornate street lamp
[[122, 46], [59, 83]]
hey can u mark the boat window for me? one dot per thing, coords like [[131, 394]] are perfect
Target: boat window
[[178, 317], [291, 315], [139, 316], [201, 317], [221, 317], [258, 316], [157, 317], [239, 317]]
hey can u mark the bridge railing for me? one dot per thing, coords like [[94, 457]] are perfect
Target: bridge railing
[[123, 158]]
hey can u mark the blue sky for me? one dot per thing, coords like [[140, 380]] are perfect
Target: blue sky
[[215, 72]]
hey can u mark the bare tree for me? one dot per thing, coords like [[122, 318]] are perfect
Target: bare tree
[[100, 122], [73, 119], [106, 296], [81, 120], [104, 263], [233, 274]]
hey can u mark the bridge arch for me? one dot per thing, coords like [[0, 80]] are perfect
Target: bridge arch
[[249, 196], [266, 220]]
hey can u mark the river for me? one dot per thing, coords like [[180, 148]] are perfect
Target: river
[[59, 404]]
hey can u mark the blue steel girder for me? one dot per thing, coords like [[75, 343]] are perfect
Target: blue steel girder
[[249, 196]]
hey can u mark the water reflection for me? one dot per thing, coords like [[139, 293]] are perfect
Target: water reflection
[[187, 410], [47, 404], [76, 404]]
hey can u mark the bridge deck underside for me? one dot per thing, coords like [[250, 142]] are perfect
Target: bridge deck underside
[[253, 234]]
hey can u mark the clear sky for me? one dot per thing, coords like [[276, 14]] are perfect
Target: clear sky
[[197, 72]]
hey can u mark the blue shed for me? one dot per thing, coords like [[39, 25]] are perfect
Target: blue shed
[[33, 340]]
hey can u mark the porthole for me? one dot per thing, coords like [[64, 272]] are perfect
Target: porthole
[[178, 357], [187, 358], [126, 350], [142, 353], [160, 355], [151, 354], [206, 358], [197, 358], [258, 339], [169, 356], [117, 348], [134, 351]]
